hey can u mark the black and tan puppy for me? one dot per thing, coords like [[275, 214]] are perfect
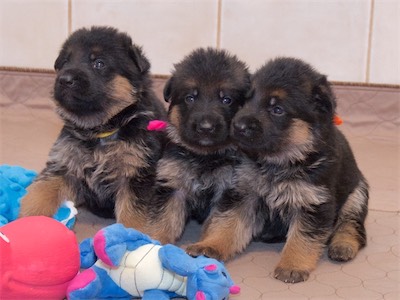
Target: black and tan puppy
[[300, 182], [205, 91], [104, 158]]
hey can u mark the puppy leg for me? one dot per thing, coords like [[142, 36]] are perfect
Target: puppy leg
[[127, 212], [224, 235], [300, 255], [228, 229], [349, 235], [169, 221], [44, 197]]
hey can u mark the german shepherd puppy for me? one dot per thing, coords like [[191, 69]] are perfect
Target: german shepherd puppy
[[300, 181], [206, 89], [104, 158]]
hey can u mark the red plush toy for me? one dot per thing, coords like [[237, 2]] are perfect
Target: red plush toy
[[39, 256]]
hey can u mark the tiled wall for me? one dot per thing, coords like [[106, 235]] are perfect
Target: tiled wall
[[349, 40]]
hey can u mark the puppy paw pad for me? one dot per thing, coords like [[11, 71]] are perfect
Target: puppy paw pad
[[197, 250], [291, 276]]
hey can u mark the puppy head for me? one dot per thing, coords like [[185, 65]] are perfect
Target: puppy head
[[205, 91], [99, 73], [290, 108]]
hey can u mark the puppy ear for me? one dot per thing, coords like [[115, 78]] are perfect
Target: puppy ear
[[323, 97], [140, 60], [168, 90], [59, 62]]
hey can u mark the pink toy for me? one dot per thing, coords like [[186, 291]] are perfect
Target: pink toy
[[39, 256], [157, 125]]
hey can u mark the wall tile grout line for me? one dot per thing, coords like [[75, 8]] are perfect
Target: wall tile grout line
[[370, 35], [219, 20], [69, 17]]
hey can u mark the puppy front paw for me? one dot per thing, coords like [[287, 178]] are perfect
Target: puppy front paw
[[341, 252], [209, 251], [290, 275]]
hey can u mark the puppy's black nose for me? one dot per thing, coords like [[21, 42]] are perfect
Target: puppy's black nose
[[246, 126], [66, 79], [205, 126], [240, 128]]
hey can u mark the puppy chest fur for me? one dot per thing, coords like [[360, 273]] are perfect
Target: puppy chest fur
[[284, 195], [200, 180], [100, 168]]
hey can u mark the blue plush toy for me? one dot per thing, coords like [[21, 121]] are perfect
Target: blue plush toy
[[130, 264], [13, 183]]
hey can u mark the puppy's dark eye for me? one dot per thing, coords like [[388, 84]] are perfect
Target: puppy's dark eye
[[189, 99], [98, 64], [226, 100], [277, 111]]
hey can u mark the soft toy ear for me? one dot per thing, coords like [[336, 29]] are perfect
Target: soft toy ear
[[200, 295], [168, 90], [109, 245], [177, 260], [88, 257], [323, 97]]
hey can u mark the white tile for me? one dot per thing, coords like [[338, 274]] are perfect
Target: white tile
[[385, 46], [331, 35], [167, 29], [31, 32]]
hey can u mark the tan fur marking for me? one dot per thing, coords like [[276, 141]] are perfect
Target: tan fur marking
[[169, 225], [224, 237], [307, 85], [299, 255], [123, 92], [299, 143], [346, 236], [125, 211], [97, 49], [280, 93], [122, 89], [356, 201], [175, 117], [191, 83], [299, 132], [43, 198], [171, 170]]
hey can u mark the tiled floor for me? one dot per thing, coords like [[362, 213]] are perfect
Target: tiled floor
[[28, 127]]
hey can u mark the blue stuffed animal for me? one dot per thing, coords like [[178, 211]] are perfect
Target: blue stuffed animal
[[13, 183], [124, 263]]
